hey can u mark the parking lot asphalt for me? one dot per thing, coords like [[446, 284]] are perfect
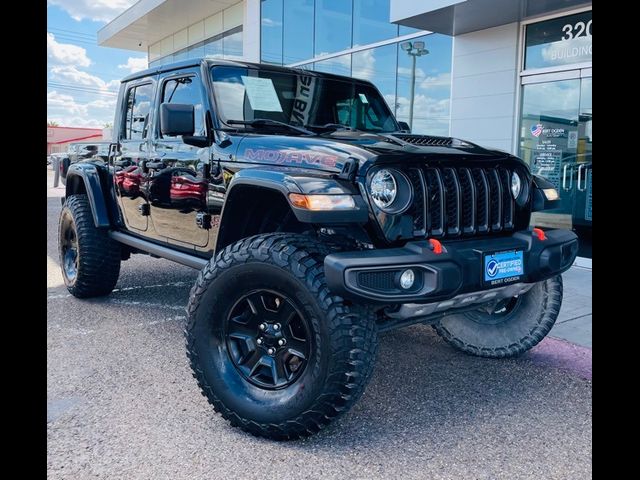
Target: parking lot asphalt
[[121, 401]]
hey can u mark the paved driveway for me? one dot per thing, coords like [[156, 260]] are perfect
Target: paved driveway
[[122, 402]]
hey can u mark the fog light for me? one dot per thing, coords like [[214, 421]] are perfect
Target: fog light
[[406, 279]]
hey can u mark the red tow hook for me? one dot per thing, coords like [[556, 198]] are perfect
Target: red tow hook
[[436, 246], [538, 232]]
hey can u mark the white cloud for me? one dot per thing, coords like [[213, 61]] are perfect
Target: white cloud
[[551, 99], [97, 10], [430, 115], [70, 74], [268, 22], [66, 53], [68, 112], [441, 80], [134, 64], [60, 102], [364, 65]]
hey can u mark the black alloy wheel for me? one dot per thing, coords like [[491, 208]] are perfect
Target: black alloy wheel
[[268, 339], [69, 247]]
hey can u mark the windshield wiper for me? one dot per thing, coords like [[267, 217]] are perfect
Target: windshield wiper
[[330, 126], [263, 122]]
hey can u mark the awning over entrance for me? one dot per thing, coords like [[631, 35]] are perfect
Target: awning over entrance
[[455, 17], [149, 21]]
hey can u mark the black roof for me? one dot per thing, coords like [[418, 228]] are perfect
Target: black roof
[[194, 62]]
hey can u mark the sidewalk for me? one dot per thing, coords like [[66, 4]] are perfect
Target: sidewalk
[[574, 323]]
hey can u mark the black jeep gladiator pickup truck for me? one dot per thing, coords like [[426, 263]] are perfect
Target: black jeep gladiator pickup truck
[[317, 222]]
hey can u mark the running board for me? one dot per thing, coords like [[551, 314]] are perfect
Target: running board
[[160, 251]]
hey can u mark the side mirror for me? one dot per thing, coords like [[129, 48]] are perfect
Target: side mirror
[[404, 126], [176, 119]]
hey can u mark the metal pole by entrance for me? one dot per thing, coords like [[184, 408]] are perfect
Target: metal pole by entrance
[[415, 49]]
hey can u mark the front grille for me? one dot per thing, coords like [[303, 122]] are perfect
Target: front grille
[[383, 280], [450, 202], [423, 140]]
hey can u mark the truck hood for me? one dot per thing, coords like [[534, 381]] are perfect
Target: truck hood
[[329, 152]]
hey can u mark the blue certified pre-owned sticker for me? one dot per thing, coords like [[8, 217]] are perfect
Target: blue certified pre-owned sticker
[[504, 266]]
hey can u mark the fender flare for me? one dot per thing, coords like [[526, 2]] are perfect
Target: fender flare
[[89, 175]]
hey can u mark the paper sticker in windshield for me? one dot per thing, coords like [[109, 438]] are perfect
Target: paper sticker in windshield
[[363, 98], [262, 94]]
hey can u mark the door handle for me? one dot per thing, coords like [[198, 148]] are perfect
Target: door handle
[[144, 209], [564, 178], [580, 168]]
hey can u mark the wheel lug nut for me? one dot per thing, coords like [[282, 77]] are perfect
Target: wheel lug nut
[[263, 326], [259, 341], [282, 341], [276, 326], [271, 351]]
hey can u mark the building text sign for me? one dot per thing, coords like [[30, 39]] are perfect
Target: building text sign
[[560, 41]]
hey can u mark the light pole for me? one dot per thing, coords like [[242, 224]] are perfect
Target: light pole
[[415, 49]]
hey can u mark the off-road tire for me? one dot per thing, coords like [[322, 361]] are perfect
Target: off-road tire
[[345, 338], [527, 325], [98, 256]]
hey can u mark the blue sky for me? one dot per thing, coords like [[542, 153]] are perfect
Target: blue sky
[[83, 78]]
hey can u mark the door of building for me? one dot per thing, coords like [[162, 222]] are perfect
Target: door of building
[[556, 140]]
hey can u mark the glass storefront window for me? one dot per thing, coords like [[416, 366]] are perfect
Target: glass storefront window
[[297, 33], [555, 140], [181, 55], [407, 30], [378, 65], [197, 50], [333, 26], [338, 65], [560, 41], [271, 31], [213, 47], [371, 22], [232, 46], [432, 77]]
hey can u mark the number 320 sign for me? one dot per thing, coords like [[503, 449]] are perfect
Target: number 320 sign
[[579, 29]]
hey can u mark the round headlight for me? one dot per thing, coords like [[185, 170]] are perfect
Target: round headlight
[[384, 188], [516, 184]]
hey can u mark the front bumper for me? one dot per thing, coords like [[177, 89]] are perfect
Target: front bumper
[[372, 275]]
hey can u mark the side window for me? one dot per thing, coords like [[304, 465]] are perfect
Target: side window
[[186, 90], [136, 122]]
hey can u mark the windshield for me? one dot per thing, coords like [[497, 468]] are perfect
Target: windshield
[[245, 94]]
